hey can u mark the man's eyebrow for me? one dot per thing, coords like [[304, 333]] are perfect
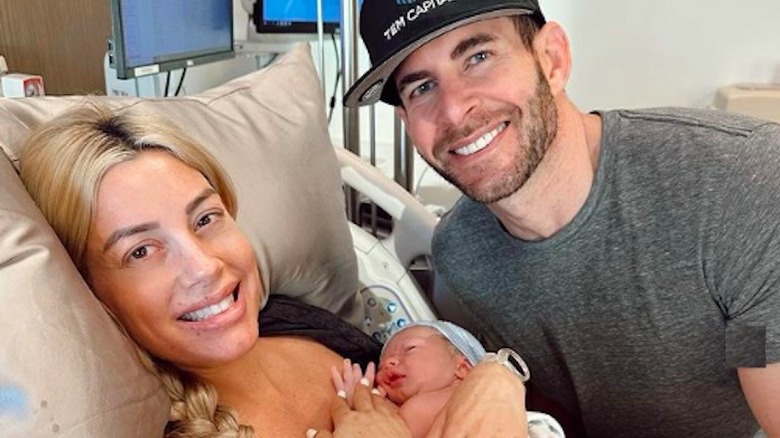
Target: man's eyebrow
[[469, 43], [411, 77]]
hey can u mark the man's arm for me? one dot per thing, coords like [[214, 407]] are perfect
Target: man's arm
[[490, 401], [762, 390]]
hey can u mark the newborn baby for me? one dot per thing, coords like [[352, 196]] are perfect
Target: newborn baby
[[419, 369]]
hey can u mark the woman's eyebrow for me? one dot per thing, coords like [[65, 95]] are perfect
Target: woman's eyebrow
[[121, 233], [205, 194]]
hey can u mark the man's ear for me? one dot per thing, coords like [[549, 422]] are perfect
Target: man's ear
[[551, 46], [401, 112], [462, 367]]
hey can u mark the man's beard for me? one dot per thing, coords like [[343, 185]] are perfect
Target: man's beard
[[536, 130]]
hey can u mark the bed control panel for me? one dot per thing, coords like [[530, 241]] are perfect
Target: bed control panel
[[385, 312], [391, 297]]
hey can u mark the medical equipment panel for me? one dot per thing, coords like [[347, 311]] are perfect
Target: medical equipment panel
[[150, 37]]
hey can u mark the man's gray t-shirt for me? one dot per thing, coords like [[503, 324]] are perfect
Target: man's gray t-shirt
[[636, 314]]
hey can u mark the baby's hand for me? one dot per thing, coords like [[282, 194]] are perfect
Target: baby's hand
[[351, 375]]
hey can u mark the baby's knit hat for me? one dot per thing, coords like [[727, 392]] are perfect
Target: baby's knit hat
[[461, 338]]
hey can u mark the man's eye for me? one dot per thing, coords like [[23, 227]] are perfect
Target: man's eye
[[422, 89], [139, 252], [478, 57]]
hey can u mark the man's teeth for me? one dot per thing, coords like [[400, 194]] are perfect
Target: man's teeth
[[212, 310], [481, 142]]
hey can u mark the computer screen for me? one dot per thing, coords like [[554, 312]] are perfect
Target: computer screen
[[295, 16], [152, 36]]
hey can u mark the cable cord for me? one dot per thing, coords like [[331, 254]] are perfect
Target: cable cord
[[167, 83], [181, 82], [416, 187], [332, 103]]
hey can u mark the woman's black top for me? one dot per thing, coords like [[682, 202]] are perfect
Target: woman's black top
[[287, 316]]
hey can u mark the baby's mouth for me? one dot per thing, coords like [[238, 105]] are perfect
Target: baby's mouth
[[394, 379]]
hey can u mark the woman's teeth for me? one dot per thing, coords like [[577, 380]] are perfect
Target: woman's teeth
[[212, 310], [481, 142]]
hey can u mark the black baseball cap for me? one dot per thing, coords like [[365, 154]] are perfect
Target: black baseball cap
[[393, 29]]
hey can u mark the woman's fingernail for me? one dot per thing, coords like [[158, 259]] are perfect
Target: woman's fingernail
[[341, 393], [311, 433], [364, 382], [375, 391]]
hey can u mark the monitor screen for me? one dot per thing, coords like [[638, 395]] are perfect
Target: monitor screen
[[152, 36], [295, 16]]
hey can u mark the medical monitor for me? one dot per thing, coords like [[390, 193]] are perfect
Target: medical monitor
[[152, 36], [295, 16]]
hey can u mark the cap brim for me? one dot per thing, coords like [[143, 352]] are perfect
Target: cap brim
[[368, 89]]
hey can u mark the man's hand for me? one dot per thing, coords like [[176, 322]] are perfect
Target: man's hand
[[490, 402]]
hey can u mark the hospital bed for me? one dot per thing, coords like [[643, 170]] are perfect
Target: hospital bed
[[65, 368], [391, 296]]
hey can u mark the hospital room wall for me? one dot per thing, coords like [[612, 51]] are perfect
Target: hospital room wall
[[635, 54], [625, 55]]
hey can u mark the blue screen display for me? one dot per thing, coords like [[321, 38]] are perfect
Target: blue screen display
[[301, 11]]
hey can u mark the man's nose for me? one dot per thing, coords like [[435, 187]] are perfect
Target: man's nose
[[457, 100]]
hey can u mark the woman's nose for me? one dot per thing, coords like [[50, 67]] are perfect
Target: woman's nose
[[199, 263]]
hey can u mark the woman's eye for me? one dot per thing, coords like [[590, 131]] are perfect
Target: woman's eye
[[141, 253], [205, 220]]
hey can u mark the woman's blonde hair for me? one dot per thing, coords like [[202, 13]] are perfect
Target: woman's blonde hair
[[65, 159], [62, 165]]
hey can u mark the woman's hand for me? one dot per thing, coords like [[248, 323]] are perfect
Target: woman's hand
[[489, 402], [370, 415]]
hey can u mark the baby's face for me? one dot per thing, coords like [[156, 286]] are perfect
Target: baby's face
[[418, 360]]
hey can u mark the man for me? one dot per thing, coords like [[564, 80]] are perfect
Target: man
[[632, 257]]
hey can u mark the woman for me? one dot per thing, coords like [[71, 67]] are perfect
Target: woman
[[148, 218]]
